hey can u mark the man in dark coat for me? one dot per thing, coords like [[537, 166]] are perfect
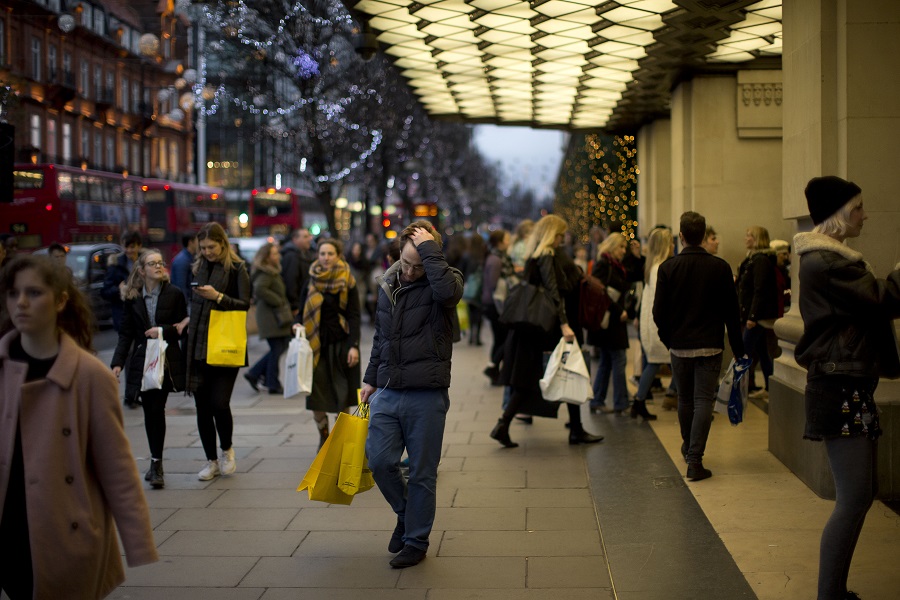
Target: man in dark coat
[[695, 301], [407, 384], [117, 273], [296, 258]]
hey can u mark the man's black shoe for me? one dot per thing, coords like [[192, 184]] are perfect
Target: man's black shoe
[[583, 437], [410, 556], [277, 390], [254, 383], [396, 543], [696, 472]]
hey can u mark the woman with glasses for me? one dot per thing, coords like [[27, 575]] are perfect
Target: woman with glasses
[[331, 318], [151, 304]]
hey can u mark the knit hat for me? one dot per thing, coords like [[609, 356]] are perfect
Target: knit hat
[[826, 195]]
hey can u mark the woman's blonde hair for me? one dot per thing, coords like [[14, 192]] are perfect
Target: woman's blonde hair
[[543, 237], [839, 223], [612, 240], [761, 235], [216, 233], [261, 259], [658, 248], [134, 286]]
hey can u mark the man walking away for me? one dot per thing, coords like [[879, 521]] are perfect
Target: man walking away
[[695, 300], [407, 381], [296, 258]]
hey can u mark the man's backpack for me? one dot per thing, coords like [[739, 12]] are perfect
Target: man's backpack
[[593, 303]]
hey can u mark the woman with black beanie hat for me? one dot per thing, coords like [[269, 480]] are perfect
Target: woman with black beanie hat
[[847, 345]]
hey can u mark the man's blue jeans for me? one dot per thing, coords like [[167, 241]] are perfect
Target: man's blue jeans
[[414, 419], [612, 363], [268, 365], [696, 380]]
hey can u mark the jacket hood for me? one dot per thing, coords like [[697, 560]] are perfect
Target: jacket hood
[[811, 241]]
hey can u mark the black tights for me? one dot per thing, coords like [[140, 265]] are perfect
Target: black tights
[[213, 402], [154, 404], [853, 463]]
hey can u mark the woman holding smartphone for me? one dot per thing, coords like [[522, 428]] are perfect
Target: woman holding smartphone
[[222, 284]]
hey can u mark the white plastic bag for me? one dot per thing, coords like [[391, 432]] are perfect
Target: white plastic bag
[[731, 397], [298, 366], [566, 377], [154, 363]]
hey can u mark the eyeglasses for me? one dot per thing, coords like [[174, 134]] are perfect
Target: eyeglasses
[[409, 267], [155, 263]]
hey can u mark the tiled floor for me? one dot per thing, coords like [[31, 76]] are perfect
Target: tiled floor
[[545, 521]]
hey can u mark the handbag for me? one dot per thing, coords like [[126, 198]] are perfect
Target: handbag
[[226, 342], [298, 366], [566, 377], [593, 304], [340, 469], [502, 291], [731, 397], [154, 363], [529, 304]]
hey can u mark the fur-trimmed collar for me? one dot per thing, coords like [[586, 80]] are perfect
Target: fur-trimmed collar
[[810, 241]]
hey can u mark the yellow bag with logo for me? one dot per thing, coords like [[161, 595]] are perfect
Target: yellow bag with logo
[[340, 469], [226, 342]]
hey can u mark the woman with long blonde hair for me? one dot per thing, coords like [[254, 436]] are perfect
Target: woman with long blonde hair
[[222, 284], [524, 352], [660, 247], [758, 300]]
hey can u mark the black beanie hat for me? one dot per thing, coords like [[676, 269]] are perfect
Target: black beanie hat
[[826, 195]]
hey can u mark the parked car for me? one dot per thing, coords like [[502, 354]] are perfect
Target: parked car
[[88, 263]]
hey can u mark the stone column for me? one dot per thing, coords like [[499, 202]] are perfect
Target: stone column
[[654, 142], [726, 161], [841, 117]]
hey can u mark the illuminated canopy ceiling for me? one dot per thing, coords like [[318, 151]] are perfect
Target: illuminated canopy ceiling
[[567, 64]]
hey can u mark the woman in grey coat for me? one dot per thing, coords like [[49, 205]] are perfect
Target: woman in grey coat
[[273, 317]]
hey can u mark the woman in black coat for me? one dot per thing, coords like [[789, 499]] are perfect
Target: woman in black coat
[[847, 344], [612, 342], [151, 304], [758, 300], [523, 364]]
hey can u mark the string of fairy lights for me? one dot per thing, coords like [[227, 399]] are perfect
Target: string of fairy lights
[[600, 185]]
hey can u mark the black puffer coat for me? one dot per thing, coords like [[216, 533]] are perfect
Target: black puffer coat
[[414, 325], [170, 310], [846, 312]]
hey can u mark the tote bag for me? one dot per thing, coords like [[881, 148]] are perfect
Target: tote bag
[[154, 363], [566, 377], [529, 304], [226, 343], [731, 397], [298, 366]]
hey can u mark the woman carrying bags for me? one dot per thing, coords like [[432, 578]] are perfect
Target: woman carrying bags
[[63, 440], [222, 283], [523, 358], [331, 319], [151, 304], [273, 317], [612, 342]]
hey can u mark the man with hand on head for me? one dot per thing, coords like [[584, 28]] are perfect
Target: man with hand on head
[[407, 384]]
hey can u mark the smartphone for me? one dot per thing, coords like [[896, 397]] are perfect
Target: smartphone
[[195, 283]]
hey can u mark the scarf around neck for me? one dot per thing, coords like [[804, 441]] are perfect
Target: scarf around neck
[[337, 280]]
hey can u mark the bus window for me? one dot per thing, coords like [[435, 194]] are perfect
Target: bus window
[[28, 180]]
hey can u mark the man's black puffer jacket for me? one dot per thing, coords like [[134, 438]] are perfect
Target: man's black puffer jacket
[[414, 325], [846, 311]]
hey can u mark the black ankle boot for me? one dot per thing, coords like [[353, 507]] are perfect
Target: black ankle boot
[[501, 434], [639, 407], [577, 435]]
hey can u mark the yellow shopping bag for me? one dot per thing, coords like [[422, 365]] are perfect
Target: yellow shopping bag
[[462, 313], [226, 342], [340, 469]]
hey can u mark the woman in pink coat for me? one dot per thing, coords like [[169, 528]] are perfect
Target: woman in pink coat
[[66, 468]]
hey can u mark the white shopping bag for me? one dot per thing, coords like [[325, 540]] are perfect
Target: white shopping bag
[[298, 369], [154, 363], [566, 377], [731, 397]]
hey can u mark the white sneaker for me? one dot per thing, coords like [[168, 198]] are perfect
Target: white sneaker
[[227, 461], [210, 471]]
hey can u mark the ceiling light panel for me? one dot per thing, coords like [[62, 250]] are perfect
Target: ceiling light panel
[[550, 62]]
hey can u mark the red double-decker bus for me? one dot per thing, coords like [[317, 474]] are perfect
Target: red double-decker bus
[[275, 211], [55, 203], [173, 209]]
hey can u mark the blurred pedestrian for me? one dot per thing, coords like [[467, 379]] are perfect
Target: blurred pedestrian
[[182, 263], [117, 272], [331, 318], [151, 304], [64, 442], [296, 257], [758, 299], [497, 266], [523, 364], [222, 284], [273, 317]]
